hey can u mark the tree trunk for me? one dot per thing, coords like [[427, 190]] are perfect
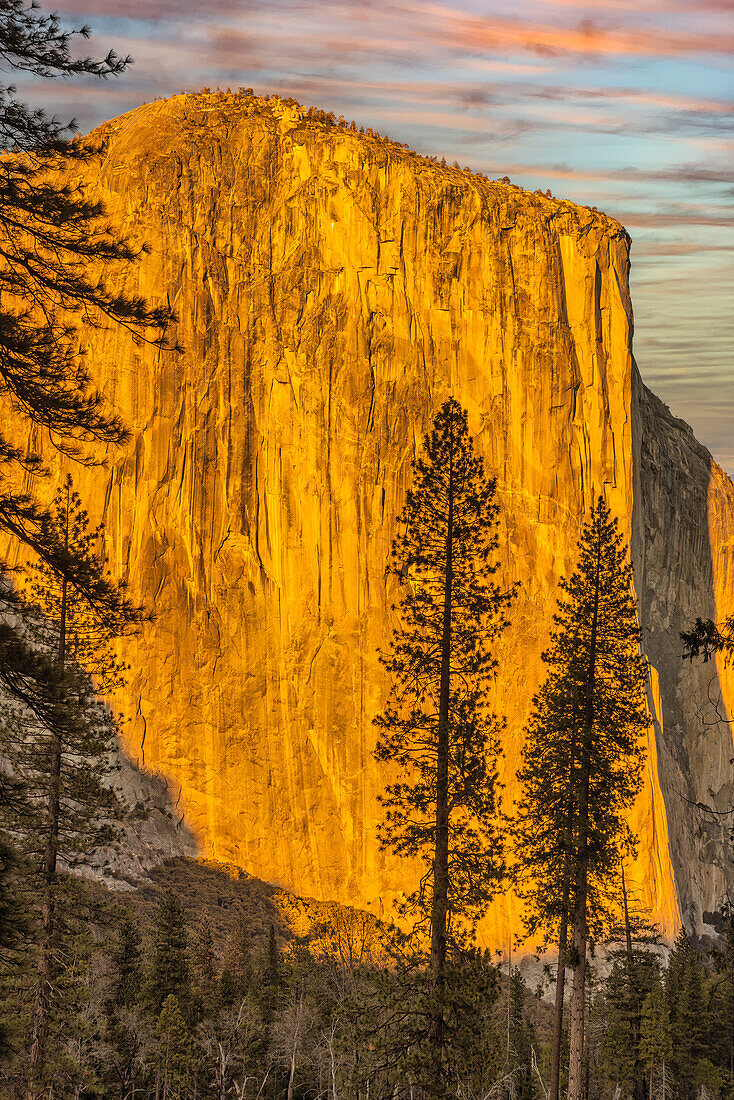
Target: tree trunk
[[578, 998], [627, 927], [439, 901], [294, 1049], [555, 1069], [292, 1075], [48, 929], [636, 1021]]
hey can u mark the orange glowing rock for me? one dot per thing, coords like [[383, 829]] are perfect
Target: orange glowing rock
[[331, 290]]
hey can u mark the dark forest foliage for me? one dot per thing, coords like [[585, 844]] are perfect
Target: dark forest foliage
[[196, 986]]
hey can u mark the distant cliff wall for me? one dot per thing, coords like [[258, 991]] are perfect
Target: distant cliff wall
[[683, 551], [332, 290]]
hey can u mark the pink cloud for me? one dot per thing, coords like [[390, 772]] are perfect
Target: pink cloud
[[432, 24], [586, 39]]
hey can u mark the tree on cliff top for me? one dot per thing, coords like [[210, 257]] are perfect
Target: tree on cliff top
[[437, 727], [582, 766]]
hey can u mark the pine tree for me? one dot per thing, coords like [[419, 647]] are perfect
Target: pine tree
[[176, 1064], [50, 236], [121, 1056], [64, 770], [80, 631], [656, 1047], [127, 963], [13, 922], [169, 971], [436, 727], [205, 970], [635, 970], [722, 993], [581, 768], [626, 988], [519, 1040], [684, 997]]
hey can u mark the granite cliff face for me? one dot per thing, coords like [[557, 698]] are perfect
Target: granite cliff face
[[332, 289]]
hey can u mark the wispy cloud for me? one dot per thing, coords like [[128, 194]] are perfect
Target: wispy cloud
[[625, 105]]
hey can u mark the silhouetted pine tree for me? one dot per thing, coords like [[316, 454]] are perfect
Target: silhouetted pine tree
[[520, 1041], [78, 630], [51, 235], [581, 767], [64, 770], [436, 727]]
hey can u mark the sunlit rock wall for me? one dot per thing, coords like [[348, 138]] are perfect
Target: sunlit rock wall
[[331, 291]]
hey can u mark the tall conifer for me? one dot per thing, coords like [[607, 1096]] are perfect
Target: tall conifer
[[51, 235], [656, 1047], [582, 766], [170, 972], [437, 727], [685, 1000], [63, 766]]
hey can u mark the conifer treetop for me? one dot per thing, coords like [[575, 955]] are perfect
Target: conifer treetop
[[448, 481], [595, 678]]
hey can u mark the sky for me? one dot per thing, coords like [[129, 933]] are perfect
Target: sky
[[627, 105]]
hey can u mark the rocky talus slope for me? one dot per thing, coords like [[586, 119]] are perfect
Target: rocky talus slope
[[331, 290]]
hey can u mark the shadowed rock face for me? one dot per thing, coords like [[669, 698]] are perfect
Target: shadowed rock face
[[683, 551], [332, 290]]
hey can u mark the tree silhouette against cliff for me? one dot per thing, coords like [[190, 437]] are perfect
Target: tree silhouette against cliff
[[437, 727], [51, 236], [581, 768], [63, 770], [59, 260]]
